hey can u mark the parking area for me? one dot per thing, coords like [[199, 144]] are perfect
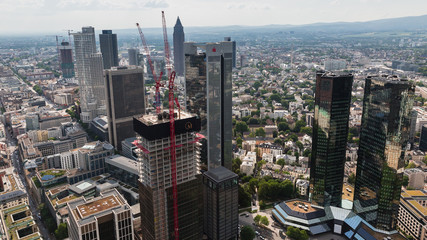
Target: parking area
[[271, 233]]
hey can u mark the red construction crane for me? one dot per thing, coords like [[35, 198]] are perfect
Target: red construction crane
[[167, 49], [173, 154], [156, 79]]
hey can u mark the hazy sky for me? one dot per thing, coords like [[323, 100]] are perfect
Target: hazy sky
[[38, 16]]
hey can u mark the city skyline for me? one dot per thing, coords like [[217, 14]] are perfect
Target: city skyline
[[49, 16]]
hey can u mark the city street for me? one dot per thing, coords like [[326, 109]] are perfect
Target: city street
[[21, 181], [273, 233]]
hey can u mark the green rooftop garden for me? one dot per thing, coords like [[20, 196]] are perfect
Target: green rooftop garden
[[53, 172]]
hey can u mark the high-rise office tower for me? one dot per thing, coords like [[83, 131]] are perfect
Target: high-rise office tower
[[67, 65], [423, 138], [228, 39], [133, 56], [125, 99], [330, 131], [386, 122], [90, 75], [155, 180], [178, 47], [221, 208], [108, 44], [107, 217], [208, 94]]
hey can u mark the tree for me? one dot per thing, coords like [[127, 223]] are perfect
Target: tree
[[298, 125], [275, 97], [300, 145], [61, 232], [296, 233], [306, 152], [264, 221], [281, 162], [253, 121], [247, 233], [405, 180], [411, 165], [256, 85], [260, 132], [275, 134], [253, 184], [352, 179], [241, 127], [262, 205], [278, 141], [292, 137], [235, 166], [244, 197], [306, 130], [257, 219], [283, 126], [296, 154]]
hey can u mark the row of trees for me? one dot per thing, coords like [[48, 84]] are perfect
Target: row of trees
[[38, 89], [261, 220], [60, 232]]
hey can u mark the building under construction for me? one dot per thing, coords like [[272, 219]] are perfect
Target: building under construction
[[155, 176], [67, 65]]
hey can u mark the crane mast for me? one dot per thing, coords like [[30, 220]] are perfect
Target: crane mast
[[150, 63]]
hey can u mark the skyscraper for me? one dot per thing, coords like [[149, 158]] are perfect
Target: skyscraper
[[178, 47], [386, 122], [90, 75], [221, 208], [133, 56], [330, 131], [67, 65], [228, 39], [108, 43], [208, 90], [208, 94], [125, 99], [155, 178]]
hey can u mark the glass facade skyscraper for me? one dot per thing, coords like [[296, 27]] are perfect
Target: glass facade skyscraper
[[208, 90], [386, 123], [330, 130], [109, 50]]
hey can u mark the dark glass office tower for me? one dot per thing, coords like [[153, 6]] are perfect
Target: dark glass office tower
[[178, 47], [330, 130], [108, 44], [386, 122], [133, 56], [221, 206], [208, 94], [125, 99]]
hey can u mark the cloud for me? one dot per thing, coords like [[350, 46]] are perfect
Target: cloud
[[249, 6], [335, 2], [156, 4]]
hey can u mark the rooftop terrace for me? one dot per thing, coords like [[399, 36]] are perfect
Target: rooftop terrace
[[97, 206]]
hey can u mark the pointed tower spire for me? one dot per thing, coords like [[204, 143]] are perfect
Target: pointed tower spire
[[178, 22], [178, 47]]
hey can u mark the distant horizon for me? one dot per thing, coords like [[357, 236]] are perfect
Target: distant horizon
[[98, 29], [23, 17]]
